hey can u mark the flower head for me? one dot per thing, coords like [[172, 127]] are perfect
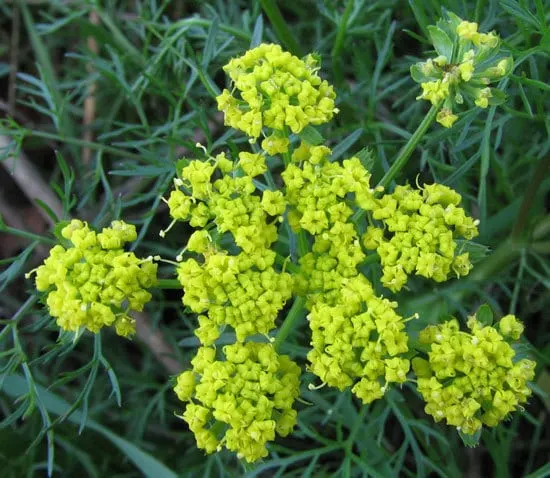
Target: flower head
[[274, 89], [241, 287], [94, 283], [472, 378], [242, 402], [419, 234]]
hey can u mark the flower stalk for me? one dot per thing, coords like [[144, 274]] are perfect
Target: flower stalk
[[407, 150], [296, 312]]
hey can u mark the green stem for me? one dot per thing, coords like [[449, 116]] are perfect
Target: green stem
[[284, 34], [286, 263], [357, 425], [503, 255], [407, 150], [168, 284], [295, 313], [541, 247], [542, 229], [539, 175]]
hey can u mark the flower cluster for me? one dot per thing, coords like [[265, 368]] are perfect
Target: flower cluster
[[419, 234], [316, 188], [229, 267], [359, 342], [275, 89], [232, 290], [357, 338], [94, 282], [467, 63], [242, 289], [233, 271], [242, 401], [472, 378]]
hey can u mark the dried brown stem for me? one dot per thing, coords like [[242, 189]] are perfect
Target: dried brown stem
[[156, 342], [30, 181]]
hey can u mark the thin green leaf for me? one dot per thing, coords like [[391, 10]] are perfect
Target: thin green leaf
[[311, 136], [341, 148], [16, 385]]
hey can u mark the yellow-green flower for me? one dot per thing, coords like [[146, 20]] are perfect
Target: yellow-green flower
[[273, 89], [241, 289], [94, 283], [240, 403], [419, 234], [472, 378], [316, 187], [359, 342]]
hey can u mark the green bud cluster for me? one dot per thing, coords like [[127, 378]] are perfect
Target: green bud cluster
[[473, 378], [94, 283], [467, 63]]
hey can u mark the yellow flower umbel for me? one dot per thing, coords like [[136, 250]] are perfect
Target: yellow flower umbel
[[472, 378], [240, 288], [420, 234], [316, 188], [359, 342], [357, 338], [467, 63], [242, 402], [235, 290], [94, 282], [274, 89]]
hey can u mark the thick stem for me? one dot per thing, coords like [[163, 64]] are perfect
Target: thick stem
[[503, 255], [295, 313], [542, 229], [407, 150], [542, 247]]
